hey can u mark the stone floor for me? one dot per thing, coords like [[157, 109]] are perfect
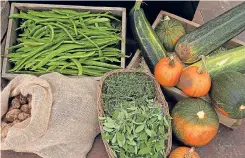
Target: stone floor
[[227, 144]]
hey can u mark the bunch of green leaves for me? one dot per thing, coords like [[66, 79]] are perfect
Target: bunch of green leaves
[[136, 131], [126, 87]]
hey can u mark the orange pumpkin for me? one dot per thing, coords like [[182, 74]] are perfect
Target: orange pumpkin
[[195, 122], [167, 71], [195, 81], [184, 152]]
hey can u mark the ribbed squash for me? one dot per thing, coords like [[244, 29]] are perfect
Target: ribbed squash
[[151, 48], [211, 35], [195, 121], [169, 31], [228, 94], [230, 60]]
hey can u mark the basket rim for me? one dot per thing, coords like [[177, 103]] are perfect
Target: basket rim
[[160, 98]]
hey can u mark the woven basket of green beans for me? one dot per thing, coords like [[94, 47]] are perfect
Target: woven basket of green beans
[[66, 41]]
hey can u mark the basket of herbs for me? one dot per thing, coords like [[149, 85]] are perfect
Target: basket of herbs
[[134, 116]]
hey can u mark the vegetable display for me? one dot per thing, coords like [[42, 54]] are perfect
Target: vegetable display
[[66, 41], [184, 152], [169, 31], [195, 122], [211, 35], [229, 60], [151, 48], [135, 124], [195, 81], [228, 94], [18, 111], [168, 70]]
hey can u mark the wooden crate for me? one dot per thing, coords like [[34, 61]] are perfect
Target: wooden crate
[[138, 61], [13, 24]]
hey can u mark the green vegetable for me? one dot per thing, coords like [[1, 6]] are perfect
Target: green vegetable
[[228, 94], [230, 60], [169, 31], [211, 35], [66, 41], [134, 123], [150, 46]]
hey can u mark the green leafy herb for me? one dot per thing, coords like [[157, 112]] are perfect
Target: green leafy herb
[[135, 125]]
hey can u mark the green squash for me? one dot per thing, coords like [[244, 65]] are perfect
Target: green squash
[[228, 94], [229, 60], [169, 31], [211, 35], [151, 48]]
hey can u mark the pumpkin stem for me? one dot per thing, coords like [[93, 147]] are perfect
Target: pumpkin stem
[[242, 107], [203, 65], [171, 57], [137, 4], [201, 115], [188, 155], [166, 18]]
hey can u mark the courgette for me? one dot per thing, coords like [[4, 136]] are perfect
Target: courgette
[[211, 35], [233, 59], [151, 48]]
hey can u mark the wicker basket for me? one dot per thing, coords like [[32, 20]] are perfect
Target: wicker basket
[[159, 95]]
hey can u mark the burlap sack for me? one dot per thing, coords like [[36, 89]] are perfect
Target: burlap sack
[[64, 116]]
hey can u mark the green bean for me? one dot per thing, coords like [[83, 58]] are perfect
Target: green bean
[[111, 59], [69, 72], [29, 43], [67, 65], [19, 64], [41, 35], [24, 16], [52, 20], [31, 72], [97, 68], [79, 66], [57, 63], [25, 49], [74, 25], [46, 14], [92, 72], [40, 40], [16, 46], [39, 31], [51, 32], [34, 30], [100, 52], [105, 15], [58, 25], [30, 64], [51, 68], [57, 44], [82, 22], [67, 11], [97, 20], [65, 47], [75, 55], [96, 63]]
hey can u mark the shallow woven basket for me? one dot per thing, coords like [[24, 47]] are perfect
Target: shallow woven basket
[[159, 95]]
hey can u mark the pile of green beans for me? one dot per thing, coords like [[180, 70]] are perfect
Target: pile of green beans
[[66, 41]]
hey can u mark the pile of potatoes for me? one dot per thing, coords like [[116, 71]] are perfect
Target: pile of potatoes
[[18, 111]]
